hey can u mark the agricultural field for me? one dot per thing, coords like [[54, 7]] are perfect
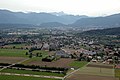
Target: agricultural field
[[12, 56], [16, 55], [100, 65], [97, 71], [117, 73], [94, 71], [11, 60], [78, 64], [13, 52], [43, 53], [90, 77], [32, 72], [40, 51], [31, 60], [5, 77], [64, 63], [15, 45]]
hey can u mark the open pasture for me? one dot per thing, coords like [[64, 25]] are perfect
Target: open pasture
[[6, 77], [78, 64], [13, 52]]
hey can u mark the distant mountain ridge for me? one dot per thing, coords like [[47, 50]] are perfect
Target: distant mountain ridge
[[58, 19], [9, 17], [105, 22], [108, 31]]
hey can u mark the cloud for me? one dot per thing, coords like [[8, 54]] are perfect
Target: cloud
[[82, 7]]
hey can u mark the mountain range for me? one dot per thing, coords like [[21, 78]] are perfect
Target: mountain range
[[104, 22], [58, 19], [7, 16]]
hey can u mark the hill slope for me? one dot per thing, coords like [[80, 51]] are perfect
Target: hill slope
[[108, 21], [109, 31]]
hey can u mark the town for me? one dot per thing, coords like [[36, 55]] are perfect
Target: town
[[56, 52]]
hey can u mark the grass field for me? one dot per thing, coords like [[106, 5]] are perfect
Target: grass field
[[15, 45], [100, 69], [97, 71], [78, 64], [4, 77], [90, 77], [43, 53], [32, 72], [13, 52], [117, 73], [93, 73]]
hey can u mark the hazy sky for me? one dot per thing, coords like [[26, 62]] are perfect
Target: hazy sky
[[81, 7]]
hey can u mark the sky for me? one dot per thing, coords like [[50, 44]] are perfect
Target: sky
[[76, 7]]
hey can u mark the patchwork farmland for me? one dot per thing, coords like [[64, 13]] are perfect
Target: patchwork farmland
[[48, 56], [9, 58]]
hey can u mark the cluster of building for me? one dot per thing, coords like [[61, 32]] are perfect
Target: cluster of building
[[67, 46]]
